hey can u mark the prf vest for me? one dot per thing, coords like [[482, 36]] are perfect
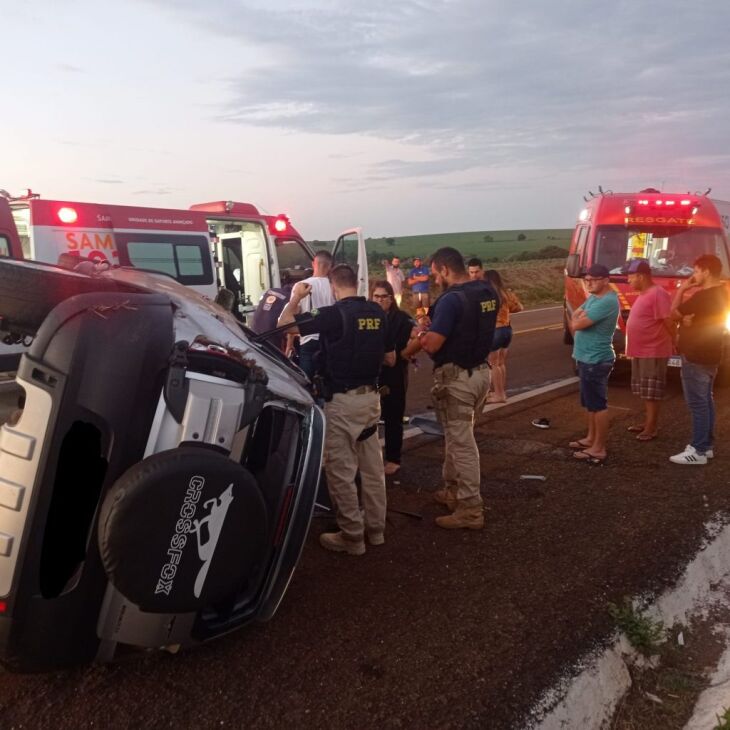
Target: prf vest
[[355, 358], [471, 339]]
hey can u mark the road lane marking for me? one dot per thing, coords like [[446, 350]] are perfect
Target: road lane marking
[[538, 329], [526, 395], [541, 309]]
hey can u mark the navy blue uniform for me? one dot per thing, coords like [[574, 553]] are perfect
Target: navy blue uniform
[[355, 337], [466, 315]]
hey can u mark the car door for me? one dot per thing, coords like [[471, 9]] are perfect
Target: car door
[[349, 249]]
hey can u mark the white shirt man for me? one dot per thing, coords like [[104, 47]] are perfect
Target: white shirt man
[[320, 296], [395, 276]]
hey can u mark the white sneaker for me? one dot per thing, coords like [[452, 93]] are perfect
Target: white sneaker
[[710, 454], [689, 456]]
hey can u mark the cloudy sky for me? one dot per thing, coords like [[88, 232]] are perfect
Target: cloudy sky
[[404, 117]]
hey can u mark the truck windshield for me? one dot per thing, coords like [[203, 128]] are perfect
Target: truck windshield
[[669, 251], [295, 262]]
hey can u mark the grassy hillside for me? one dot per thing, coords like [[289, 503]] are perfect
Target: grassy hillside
[[502, 245]]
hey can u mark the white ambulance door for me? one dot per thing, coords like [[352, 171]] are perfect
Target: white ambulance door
[[350, 249], [245, 269]]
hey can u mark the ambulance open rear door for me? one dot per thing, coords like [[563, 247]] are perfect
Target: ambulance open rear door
[[350, 249], [245, 267]]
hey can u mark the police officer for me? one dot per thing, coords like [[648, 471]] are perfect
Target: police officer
[[355, 343], [458, 340]]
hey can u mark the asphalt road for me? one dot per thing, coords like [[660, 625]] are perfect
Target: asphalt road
[[537, 357]]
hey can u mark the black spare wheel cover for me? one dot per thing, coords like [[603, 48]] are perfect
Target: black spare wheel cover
[[182, 529]]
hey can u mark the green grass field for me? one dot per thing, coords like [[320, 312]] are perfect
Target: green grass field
[[473, 243]]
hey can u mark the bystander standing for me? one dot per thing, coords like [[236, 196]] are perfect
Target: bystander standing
[[649, 344], [395, 276], [310, 357], [701, 318], [419, 280], [592, 326], [509, 304]]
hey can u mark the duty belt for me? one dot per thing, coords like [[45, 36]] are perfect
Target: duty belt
[[481, 366]]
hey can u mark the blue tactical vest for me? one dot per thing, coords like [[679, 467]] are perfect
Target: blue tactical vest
[[471, 339], [355, 358]]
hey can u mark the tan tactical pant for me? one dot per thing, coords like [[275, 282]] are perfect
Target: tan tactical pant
[[348, 414], [457, 396]]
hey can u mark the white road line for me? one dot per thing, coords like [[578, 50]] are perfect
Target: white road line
[[414, 431], [538, 329], [531, 394], [541, 309]]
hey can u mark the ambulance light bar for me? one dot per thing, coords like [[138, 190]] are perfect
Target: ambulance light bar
[[67, 215]]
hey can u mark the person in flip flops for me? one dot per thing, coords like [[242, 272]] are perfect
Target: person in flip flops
[[592, 326], [649, 343]]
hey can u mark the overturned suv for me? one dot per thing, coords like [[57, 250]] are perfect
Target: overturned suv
[[158, 477]]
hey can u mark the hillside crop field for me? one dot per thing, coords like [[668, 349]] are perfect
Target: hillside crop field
[[502, 245], [536, 283]]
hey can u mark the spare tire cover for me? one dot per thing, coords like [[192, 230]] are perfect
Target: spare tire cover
[[182, 529]]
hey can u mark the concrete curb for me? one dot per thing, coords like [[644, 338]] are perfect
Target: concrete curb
[[587, 699]]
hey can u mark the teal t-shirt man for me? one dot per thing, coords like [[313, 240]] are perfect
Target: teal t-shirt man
[[594, 344]]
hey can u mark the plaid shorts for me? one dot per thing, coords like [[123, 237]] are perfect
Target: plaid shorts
[[649, 377]]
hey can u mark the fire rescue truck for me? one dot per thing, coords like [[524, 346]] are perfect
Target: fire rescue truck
[[208, 246], [669, 230]]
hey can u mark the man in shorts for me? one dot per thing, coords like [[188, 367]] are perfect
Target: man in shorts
[[649, 344], [592, 326]]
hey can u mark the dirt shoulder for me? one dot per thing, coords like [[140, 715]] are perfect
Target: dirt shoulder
[[434, 629]]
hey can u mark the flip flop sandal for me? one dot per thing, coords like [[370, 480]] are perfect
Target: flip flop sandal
[[646, 437], [541, 423], [589, 459], [579, 445], [635, 429]]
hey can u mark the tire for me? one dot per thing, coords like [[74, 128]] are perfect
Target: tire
[[182, 530], [29, 290]]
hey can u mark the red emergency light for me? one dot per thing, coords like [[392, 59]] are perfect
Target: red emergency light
[[67, 215], [280, 224]]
